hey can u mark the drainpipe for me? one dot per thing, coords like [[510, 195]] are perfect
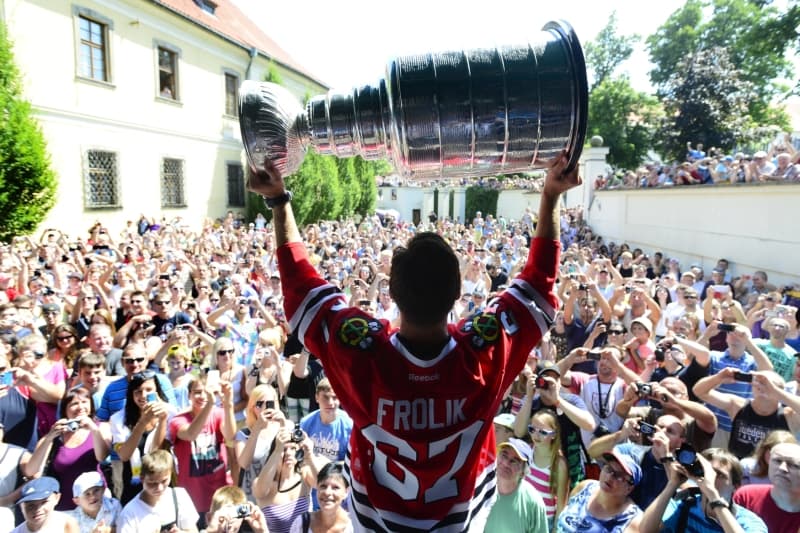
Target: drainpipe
[[253, 54]]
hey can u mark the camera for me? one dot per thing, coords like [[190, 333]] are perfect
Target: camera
[[643, 389], [726, 327], [297, 435], [744, 377], [659, 354], [542, 383], [166, 528], [594, 355], [242, 511], [628, 289], [687, 457], [582, 287], [73, 425]]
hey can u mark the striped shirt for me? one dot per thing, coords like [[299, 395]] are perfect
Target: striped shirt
[[540, 479], [280, 517], [114, 396], [745, 363]]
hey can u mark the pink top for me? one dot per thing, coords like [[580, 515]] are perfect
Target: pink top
[[539, 478], [202, 463], [46, 412]]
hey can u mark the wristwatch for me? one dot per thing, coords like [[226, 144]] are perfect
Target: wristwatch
[[719, 502], [275, 201]]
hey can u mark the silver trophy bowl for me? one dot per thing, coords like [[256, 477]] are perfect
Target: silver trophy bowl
[[466, 113]]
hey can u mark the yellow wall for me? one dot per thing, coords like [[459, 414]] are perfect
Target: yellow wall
[[125, 115]]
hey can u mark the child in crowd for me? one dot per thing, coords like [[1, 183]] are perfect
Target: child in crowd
[[548, 472], [159, 507], [230, 510], [38, 504], [95, 512]]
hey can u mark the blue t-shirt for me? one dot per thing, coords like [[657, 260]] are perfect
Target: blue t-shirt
[[745, 363], [330, 440], [699, 523]]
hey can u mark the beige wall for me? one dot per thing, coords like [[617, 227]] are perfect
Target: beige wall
[[125, 115], [752, 226]]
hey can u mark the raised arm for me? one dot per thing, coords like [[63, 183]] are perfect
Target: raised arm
[[705, 389]]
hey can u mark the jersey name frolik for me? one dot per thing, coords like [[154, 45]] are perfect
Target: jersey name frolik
[[420, 413]]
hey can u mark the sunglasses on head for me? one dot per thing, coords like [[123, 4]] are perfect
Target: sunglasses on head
[[131, 360]]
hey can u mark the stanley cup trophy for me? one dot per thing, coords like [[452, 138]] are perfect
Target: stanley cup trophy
[[453, 114]]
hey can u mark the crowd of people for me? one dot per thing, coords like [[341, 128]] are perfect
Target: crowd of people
[[152, 380], [780, 163]]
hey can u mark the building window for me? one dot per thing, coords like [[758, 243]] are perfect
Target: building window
[[206, 5], [235, 185], [93, 52], [172, 183], [100, 179], [167, 74], [231, 95]]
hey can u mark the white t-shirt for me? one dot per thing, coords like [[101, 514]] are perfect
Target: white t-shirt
[[138, 516], [56, 522]]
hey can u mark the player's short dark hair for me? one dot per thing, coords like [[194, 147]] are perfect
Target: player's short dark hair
[[425, 280]]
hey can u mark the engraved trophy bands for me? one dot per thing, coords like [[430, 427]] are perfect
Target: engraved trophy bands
[[452, 114]]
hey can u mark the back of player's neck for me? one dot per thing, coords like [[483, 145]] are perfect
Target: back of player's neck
[[425, 341]]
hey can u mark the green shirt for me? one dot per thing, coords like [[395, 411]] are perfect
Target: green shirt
[[522, 511], [782, 359]]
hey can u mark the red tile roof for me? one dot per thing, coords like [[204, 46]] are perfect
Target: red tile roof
[[229, 21]]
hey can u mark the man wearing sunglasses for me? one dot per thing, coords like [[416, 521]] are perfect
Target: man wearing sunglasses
[[166, 318], [134, 361]]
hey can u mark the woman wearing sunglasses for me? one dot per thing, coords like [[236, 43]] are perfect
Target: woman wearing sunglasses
[[548, 472], [137, 430], [224, 360], [264, 419]]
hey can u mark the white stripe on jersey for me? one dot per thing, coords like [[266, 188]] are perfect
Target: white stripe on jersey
[[307, 311], [422, 363], [541, 311], [476, 509]]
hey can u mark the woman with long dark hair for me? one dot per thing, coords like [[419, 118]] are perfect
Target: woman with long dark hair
[[137, 430]]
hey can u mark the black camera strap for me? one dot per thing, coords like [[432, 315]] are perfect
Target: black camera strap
[[603, 405]]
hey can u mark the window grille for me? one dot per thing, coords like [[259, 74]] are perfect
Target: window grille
[[172, 183], [101, 180]]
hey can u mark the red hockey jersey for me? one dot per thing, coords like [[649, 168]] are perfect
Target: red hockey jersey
[[422, 451]]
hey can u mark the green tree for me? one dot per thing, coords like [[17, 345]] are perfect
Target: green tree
[[351, 185], [27, 183], [755, 35], [625, 118], [705, 102], [608, 51], [477, 198]]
